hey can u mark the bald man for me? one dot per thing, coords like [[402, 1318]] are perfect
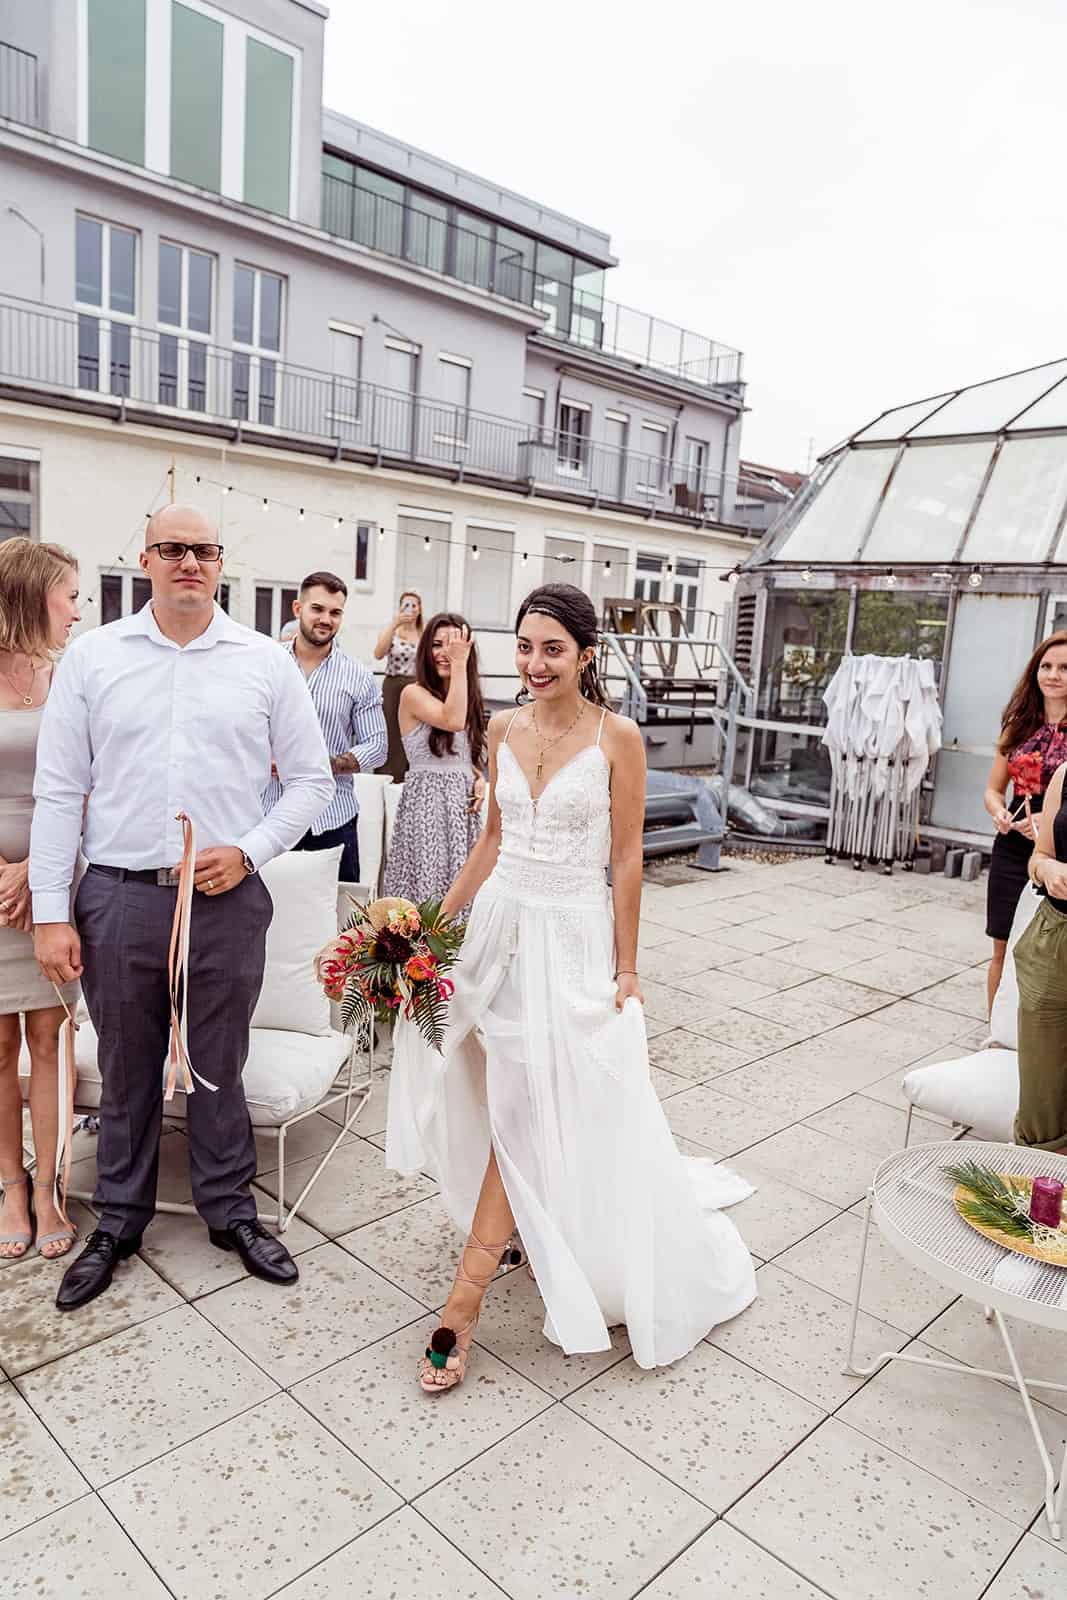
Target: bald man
[[175, 709]]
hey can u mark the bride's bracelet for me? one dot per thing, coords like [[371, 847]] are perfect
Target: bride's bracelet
[[627, 972]]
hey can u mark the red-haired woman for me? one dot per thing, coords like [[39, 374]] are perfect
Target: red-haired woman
[[442, 724], [1034, 724]]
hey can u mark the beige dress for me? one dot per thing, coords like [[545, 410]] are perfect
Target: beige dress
[[23, 987]]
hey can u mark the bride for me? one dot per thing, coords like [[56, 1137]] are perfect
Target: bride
[[540, 1112]]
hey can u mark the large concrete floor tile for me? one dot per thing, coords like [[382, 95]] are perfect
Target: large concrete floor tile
[[79, 1553], [928, 1026], [893, 1291], [166, 1381], [865, 1124], [723, 1126], [417, 1249], [724, 1565], [841, 1067], [667, 1083], [512, 1327], [373, 1404], [830, 952], [722, 988], [870, 1039], [798, 1334], [770, 969], [800, 1009], [691, 1055], [864, 1524], [745, 940], [35, 1475], [751, 1036], [1033, 1571], [963, 1333], [776, 1216], [311, 1137], [372, 1118], [32, 1331], [557, 1510], [179, 1249], [967, 1431], [710, 1424], [845, 994], [679, 958], [901, 972], [673, 1006], [780, 1088], [355, 1188], [338, 1306], [249, 1506], [964, 994], [403, 1558], [815, 1162]]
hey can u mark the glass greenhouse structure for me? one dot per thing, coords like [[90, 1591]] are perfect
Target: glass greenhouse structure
[[939, 530]]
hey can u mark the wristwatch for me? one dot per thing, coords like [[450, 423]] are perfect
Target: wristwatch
[[249, 864]]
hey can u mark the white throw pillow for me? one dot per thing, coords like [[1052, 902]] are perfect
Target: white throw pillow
[[370, 827], [303, 886], [285, 1073], [980, 1092], [392, 805], [1004, 1017]]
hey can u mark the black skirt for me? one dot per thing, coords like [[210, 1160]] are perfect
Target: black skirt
[[1007, 880]]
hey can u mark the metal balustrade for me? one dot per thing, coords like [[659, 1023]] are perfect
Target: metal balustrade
[[18, 85], [179, 376]]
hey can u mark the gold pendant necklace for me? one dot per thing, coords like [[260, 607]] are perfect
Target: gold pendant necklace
[[27, 699], [546, 744]]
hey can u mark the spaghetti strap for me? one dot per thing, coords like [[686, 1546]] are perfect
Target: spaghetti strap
[[600, 729], [511, 724]]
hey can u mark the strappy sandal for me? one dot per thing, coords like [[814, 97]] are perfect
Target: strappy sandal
[[25, 1235], [445, 1363], [66, 1236]]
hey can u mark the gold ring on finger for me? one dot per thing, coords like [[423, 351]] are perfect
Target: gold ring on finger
[[210, 883]]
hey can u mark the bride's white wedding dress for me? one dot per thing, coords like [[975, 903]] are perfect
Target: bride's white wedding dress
[[619, 1227]]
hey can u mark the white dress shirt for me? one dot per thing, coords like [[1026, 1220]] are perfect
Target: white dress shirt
[[147, 728]]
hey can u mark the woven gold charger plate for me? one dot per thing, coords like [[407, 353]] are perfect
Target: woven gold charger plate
[[1054, 1253]]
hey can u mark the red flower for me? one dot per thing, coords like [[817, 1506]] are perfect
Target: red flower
[[1026, 771], [421, 968], [445, 988]]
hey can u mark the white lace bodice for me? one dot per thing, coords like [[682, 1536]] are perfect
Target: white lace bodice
[[561, 841]]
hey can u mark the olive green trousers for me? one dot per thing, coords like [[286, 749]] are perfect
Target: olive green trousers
[[1041, 967]]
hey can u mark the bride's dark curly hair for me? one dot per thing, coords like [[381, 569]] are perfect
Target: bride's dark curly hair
[[576, 614]]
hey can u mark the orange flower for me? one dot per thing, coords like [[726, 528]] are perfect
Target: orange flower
[[420, 968]]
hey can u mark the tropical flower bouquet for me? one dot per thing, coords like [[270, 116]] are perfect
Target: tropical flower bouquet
[[390, 959]]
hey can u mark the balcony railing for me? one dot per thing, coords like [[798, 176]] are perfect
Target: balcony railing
[[18, 85], [575, 315], [180, 377]]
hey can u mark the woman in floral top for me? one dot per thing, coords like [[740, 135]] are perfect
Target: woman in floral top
[[397, 644], [1034, 724]]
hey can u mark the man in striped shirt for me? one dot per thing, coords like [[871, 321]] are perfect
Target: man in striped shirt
[[348, 700]]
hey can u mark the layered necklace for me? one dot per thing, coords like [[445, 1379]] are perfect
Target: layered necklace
[[546, 744], [27, 699]]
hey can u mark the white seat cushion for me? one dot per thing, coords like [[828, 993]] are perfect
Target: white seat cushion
[[370, 828], [1004, 1017], [303, 886], [980, 1092], [392, 805]]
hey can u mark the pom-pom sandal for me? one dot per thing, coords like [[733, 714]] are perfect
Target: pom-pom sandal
[[445, 1363]]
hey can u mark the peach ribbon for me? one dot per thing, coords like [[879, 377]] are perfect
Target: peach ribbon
[[68, 1073], [178, 972]]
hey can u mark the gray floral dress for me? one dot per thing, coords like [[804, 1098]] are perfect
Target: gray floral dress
[[435, 831]]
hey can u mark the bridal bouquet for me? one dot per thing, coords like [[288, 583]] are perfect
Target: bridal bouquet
[[390, 959]]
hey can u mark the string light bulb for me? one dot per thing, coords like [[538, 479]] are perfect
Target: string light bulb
[[337, 521], [807, 575], [266, 503], [607, 566], [733, 575], [474, 552], [974, 578], [300, 515], [381, 535], [426, 542], [227, 488], [890, 579], [525, 557]]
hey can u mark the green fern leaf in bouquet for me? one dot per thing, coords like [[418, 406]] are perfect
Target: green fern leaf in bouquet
[[429, 1011]]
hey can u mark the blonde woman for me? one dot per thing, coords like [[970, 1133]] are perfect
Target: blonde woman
[[38, 608], [397, 644]]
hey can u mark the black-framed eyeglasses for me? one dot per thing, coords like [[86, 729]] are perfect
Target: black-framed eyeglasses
[[171, 550]]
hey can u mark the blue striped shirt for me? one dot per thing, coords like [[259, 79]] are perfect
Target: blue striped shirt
[[348, 699]]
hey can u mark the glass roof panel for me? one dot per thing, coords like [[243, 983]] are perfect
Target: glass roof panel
[[988, 407], [1022, 505], [928, 503], [834, 523], [1048, 412], [897, 422]]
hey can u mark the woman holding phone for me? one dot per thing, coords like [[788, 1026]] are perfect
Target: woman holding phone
[[396, 646], [442, 725]]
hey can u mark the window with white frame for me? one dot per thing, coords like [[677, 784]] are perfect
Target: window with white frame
[[401, 365], [648, 576], [563, 559], [572, 447], [533, 413], [608, 574], [257, 326], [487, 576], [363, 553], [186, 304], [452, 416], [696, 464], [612, 478], [346, 365], [105, 280], [184, 88], [687, 589], [652, 466], [422, 559], [274, 606], [18, 495]]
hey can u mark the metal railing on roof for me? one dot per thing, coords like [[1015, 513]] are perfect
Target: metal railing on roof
[[181, 377], [18, 85], [575, 315]]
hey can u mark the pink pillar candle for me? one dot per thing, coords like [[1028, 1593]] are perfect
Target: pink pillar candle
[[1046, 1202]]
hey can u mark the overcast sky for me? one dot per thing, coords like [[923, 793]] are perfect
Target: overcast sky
[[867, 199]]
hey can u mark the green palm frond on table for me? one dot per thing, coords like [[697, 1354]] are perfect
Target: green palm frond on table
[[994, 1202]]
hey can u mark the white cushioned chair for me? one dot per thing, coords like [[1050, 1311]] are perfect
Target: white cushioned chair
[[980, 1092], [295, 1052]]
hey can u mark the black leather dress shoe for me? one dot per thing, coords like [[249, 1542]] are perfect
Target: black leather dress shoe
[[263, 1254], [94, 1269]]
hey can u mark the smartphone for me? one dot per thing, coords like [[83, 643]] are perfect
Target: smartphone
[[409, 607]]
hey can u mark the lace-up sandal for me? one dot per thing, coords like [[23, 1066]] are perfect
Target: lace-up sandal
[[445, 1363], [64, 1236], [24, 1236]]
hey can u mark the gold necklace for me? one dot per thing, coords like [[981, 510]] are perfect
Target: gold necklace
[[27, 699], [546, 744]]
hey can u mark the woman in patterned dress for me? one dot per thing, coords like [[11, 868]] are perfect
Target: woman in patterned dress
[[442, 724], [1034, 722], [397, 644]]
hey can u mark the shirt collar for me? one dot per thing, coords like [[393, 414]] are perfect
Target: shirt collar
[[221, 629], [336, 654]]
